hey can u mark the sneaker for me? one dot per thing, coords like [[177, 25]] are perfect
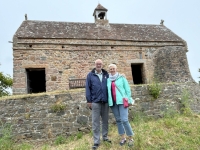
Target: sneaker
[[130, 143], [122, 142], [107, 140], [95, 146]]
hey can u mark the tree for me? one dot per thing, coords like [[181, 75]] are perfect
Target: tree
[[5, 83], [199, 77]]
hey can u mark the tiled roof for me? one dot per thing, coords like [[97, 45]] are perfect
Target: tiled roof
[[100, 7], [134, 32]]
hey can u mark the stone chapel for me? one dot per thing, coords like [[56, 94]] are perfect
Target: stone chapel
[[49, 55]]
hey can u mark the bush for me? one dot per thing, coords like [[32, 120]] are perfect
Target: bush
[[5, 83], [155, 89], [58, 107]]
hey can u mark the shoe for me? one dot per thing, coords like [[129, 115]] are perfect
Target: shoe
[[122, 142], [107, 140], [130, 143], [95, 146]]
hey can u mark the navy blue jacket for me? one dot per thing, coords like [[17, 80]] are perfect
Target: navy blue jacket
[[96, 90]]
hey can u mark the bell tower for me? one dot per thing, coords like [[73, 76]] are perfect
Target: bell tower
[[100, 15]]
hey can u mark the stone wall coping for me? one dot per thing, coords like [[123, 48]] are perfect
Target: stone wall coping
[[15, 97]]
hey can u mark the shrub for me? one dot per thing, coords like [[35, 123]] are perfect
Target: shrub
[[5, 83], [58, 107], [155, 89]]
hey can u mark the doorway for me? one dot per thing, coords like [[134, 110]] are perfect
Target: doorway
[[137, 73], [36, 81]]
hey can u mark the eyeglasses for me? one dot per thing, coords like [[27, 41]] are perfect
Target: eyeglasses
[[98, 64]]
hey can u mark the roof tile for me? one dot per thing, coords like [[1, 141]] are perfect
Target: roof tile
[[134, 32]]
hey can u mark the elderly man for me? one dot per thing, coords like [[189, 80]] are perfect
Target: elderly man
[[97, 100]]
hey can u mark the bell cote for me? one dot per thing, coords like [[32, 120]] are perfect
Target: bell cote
[[100, 15]]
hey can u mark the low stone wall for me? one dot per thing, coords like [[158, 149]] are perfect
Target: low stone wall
[[170, 98], [32, 117]]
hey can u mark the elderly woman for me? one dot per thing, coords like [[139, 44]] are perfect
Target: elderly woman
[[118, 88]]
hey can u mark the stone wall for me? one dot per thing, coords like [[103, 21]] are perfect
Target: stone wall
[[172, 65], [65, 59], [32, 117]]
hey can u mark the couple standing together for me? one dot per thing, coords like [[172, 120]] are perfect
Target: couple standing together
[[104, 90]]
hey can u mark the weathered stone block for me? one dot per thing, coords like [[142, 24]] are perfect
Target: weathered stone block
[[82, 120]]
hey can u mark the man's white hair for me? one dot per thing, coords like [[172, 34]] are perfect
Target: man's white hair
[[98, 60], [112, 65]]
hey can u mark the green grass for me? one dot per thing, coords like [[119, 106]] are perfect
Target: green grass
[[23, 146], [5, 139], [60, 140], [178, 132], [181, 132]]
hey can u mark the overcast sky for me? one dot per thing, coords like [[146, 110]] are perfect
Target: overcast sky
[[180, 16]]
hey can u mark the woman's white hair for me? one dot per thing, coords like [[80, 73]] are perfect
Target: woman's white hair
[[112, 65]]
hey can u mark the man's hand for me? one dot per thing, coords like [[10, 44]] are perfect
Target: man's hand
[[89, 105]]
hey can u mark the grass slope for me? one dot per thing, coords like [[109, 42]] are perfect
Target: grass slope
[[173, 132], [177, 133]]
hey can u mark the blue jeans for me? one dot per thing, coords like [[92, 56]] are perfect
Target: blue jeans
[[121, 117]]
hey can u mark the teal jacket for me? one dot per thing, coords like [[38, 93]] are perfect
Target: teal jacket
[[125, 91]]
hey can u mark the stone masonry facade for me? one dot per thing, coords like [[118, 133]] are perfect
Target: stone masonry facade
[[64, 60], [32, 118]]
